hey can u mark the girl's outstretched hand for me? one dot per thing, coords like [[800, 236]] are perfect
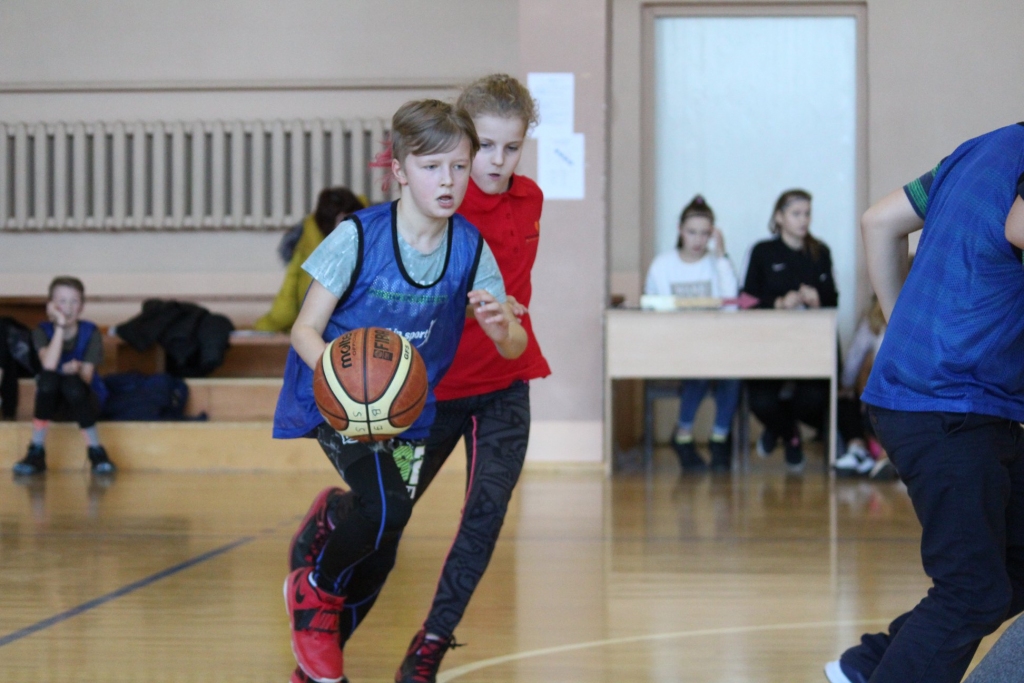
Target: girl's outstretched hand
[[490, 314], [498, 322], [518, 310]]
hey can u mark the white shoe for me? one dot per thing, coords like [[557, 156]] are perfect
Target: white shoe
[[855, 462], [834, 673]]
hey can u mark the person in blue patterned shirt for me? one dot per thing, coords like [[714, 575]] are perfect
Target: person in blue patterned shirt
[[946, 398]]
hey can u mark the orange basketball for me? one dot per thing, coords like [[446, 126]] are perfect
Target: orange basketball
[[370, 384]]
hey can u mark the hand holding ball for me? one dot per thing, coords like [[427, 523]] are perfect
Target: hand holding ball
[[370, 384]]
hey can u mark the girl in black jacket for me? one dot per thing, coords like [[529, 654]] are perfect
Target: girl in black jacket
[[791, 271]]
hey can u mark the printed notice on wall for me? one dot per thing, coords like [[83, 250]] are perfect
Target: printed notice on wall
[[555, 94], [560, 162], [560, 166]]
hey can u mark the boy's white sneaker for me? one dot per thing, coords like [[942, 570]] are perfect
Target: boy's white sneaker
[[837, 673]]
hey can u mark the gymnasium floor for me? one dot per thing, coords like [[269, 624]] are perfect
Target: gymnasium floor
[[740, 579]]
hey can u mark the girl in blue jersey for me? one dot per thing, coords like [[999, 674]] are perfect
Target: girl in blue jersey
[[410, 266], [946, 399]]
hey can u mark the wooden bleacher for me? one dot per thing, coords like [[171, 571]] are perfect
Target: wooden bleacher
[[238, 400]]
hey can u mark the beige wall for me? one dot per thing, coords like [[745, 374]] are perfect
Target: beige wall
[[244, 40], [268, 59], [235, 59], [570, 274], [938, 72]]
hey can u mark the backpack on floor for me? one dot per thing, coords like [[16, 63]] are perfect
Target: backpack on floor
[[137, 396]]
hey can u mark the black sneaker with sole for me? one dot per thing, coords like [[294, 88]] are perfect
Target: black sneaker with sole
[[766, 443], [721, 455], [99, 460], [884, 470], [689, 459], [423, 659], [794, 456], [34, 462]]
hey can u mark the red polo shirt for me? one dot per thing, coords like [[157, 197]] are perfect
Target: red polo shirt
[[510, 222]]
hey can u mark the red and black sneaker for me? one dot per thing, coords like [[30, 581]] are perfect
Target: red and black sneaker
[[423, 658], [315, 616], [316, 526], [299, 676]]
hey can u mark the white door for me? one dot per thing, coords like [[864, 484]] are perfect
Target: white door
[[747, 107]]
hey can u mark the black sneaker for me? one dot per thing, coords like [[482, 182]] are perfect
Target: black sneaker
[[100, 461], [423, 659], [766, 444], [721, 455], [794, 456], [34, 462], [689, 460]]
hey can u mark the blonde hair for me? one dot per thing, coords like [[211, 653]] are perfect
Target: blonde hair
[[499, 95], [423, 127]]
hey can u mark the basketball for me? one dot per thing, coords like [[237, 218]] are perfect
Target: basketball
[[370, 384]]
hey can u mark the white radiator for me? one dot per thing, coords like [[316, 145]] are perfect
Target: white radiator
[[217, 175]]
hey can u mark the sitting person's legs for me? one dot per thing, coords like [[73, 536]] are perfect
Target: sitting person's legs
[[80, 403], [773, 412], [691, 393], [811, 403], [727, 395], [48, 396]]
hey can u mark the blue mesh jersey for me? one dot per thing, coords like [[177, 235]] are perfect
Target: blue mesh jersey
[[955, 340], [85, 331], [382, 294]]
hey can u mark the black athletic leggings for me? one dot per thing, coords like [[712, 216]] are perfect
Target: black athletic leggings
[[372, 517], [496, 427]]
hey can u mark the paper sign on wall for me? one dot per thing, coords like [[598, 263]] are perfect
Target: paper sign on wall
[[555, 94], [560, 160], [560, 165]]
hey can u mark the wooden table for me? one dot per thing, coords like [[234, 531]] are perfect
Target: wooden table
[[754, 344]]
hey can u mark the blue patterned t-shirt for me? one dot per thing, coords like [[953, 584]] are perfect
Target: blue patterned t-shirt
[[955, 340]]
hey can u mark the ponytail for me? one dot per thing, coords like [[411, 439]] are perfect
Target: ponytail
[[697, 207]]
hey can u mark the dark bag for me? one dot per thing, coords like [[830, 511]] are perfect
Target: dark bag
[[17, 359], [136, 396]]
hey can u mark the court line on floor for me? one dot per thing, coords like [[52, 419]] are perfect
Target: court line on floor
[[459, 671], [120, 592]]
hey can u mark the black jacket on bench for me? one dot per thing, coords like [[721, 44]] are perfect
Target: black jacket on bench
[[194, 339]]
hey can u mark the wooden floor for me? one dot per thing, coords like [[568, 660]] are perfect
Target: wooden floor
[[740, 579]]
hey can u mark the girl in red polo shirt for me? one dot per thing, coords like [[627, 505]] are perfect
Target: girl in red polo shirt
[[485, 398]]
